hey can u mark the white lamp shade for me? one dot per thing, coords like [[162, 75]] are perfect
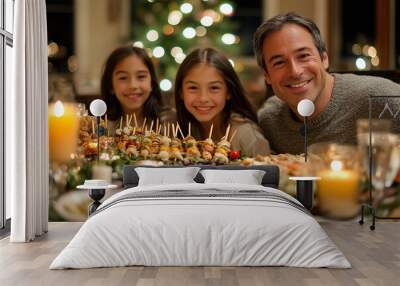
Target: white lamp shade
[[305, 107], [98, 107]]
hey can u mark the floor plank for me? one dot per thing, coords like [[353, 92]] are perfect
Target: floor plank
[[374, 255]]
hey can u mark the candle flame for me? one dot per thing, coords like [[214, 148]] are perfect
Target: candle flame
[[336, 165], [58, 109]]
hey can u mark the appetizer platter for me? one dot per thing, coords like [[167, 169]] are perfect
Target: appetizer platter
[[159, 142]]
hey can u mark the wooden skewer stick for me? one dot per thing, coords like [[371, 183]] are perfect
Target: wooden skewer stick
[[151, 125], [120, 122], [158, 129], [144, 123], [233, 135], [168, 130], [130, 121], [135, 120], [127, 120], [227, 132], [165, 129], [134, 131], [173, 130], [189, 129], [157, 123], [211, 130], [180, 131], [93, 131], [176, 130]]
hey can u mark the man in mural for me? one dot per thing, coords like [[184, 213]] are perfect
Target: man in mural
[[295, 63]]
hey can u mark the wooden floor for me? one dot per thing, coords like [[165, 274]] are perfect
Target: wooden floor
[[374, 255]]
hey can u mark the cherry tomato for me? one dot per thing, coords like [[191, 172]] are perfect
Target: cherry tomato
[[234, 155]]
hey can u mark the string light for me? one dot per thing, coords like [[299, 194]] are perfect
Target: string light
[[165, 84], [158, 52], [138, 44], [186, 8], [201, 31], [152, 35], [52, 49], [189, 33], [356, 49], [168, 30], [175, 51], [180, 57], [175, 17], [226, 9], [365, 50], [372, 51], [375, 61], [206, 21], [361, 64], [228, 39]]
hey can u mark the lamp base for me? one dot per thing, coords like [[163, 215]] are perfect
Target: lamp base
[[96, 195], [304, 190]]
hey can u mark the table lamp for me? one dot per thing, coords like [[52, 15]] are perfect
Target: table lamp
[[305, 108], [98, 108], [304, 185]]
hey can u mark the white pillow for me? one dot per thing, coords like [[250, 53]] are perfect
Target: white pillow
[[249, 177], [166, 176]]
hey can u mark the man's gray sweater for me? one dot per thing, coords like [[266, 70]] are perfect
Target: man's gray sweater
[[337, 123]]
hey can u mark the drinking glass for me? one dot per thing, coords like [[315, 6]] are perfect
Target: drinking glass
[[385, 152]]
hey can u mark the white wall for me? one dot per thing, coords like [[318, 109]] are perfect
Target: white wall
[[100, 26], [316, 10]]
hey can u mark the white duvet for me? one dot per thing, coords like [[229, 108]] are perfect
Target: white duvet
[[200, 231]]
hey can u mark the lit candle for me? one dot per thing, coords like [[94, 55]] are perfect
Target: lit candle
[[338, 191], [63, 131]]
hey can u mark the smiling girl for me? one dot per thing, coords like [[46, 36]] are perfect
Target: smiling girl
[[129, 85], [208, 92]]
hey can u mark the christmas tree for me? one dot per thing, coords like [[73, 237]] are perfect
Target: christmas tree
[[169, 30]]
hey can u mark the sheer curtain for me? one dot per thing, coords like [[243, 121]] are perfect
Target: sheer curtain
[[26, 124]]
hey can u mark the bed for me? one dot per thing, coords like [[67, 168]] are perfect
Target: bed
[[201, 224]]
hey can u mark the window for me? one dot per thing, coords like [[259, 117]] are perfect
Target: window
[[250, 13], [6, 44]]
